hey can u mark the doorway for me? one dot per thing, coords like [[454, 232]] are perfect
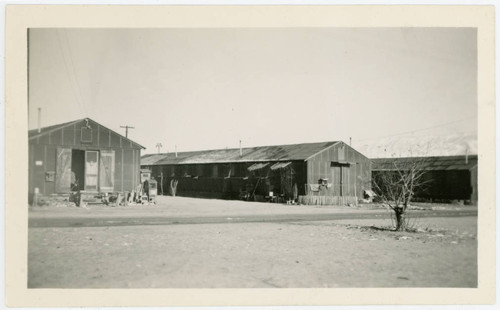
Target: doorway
[[78, 167], [85, 166], [337, 172]]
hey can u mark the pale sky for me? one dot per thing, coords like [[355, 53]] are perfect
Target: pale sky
[[209, 88]]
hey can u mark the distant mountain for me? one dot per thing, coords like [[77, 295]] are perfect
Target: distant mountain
[[412, 145]]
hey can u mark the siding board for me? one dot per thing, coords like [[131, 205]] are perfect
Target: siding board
[[343, 179], [306, 171], [44, 146], [68, 136]]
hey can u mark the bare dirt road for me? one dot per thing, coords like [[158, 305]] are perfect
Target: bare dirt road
[[334, 247]]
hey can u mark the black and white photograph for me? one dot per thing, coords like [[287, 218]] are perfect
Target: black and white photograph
[[264, 157]]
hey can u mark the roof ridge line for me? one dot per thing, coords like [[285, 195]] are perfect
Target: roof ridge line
[[55, 127], [64, 125], [248, 147]]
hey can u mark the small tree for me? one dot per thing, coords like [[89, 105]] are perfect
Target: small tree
[[161, 183], [396, 183], [173, 186], [286, 178]]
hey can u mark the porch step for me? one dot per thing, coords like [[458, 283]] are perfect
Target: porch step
[[58, 197]]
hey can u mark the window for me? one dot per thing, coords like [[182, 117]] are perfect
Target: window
[[323, 181], [86, 135], [50, 176], [199, 170], [241, 170], [207, 170]]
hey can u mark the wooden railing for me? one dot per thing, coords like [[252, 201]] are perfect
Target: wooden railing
[[328, 200]]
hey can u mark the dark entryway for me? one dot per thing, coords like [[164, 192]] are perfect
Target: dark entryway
[[78, 167]]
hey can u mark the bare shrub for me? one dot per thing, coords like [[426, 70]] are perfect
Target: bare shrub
[[396, 184]]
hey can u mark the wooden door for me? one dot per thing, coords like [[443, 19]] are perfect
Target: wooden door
[[337, 179], [91, 170], [63, 170], [107, 171]]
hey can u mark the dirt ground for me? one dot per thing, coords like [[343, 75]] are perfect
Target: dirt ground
[[339, 253]]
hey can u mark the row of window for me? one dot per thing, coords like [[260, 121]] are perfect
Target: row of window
[[210, 170]]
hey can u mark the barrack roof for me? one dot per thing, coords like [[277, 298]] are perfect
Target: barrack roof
[[287, 152], [428, 163], [33, 133]]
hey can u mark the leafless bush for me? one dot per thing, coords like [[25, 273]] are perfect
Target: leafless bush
[[173, 186], [396, 185]]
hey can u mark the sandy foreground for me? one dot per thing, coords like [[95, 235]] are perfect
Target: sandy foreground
[[305, 254]]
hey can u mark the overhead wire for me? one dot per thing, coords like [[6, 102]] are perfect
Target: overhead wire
[[75, 77], [417, 130], [70, 74]]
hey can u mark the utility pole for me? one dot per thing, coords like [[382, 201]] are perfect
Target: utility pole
[[159, 146], [39, 120], [126, 129]]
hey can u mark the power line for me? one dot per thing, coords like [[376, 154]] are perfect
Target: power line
[[79, 91], [63, 54], [418, 130]]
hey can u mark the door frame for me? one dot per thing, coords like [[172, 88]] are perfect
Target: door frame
[[96, 175]]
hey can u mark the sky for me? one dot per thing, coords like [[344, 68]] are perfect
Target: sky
[[198, 89]]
